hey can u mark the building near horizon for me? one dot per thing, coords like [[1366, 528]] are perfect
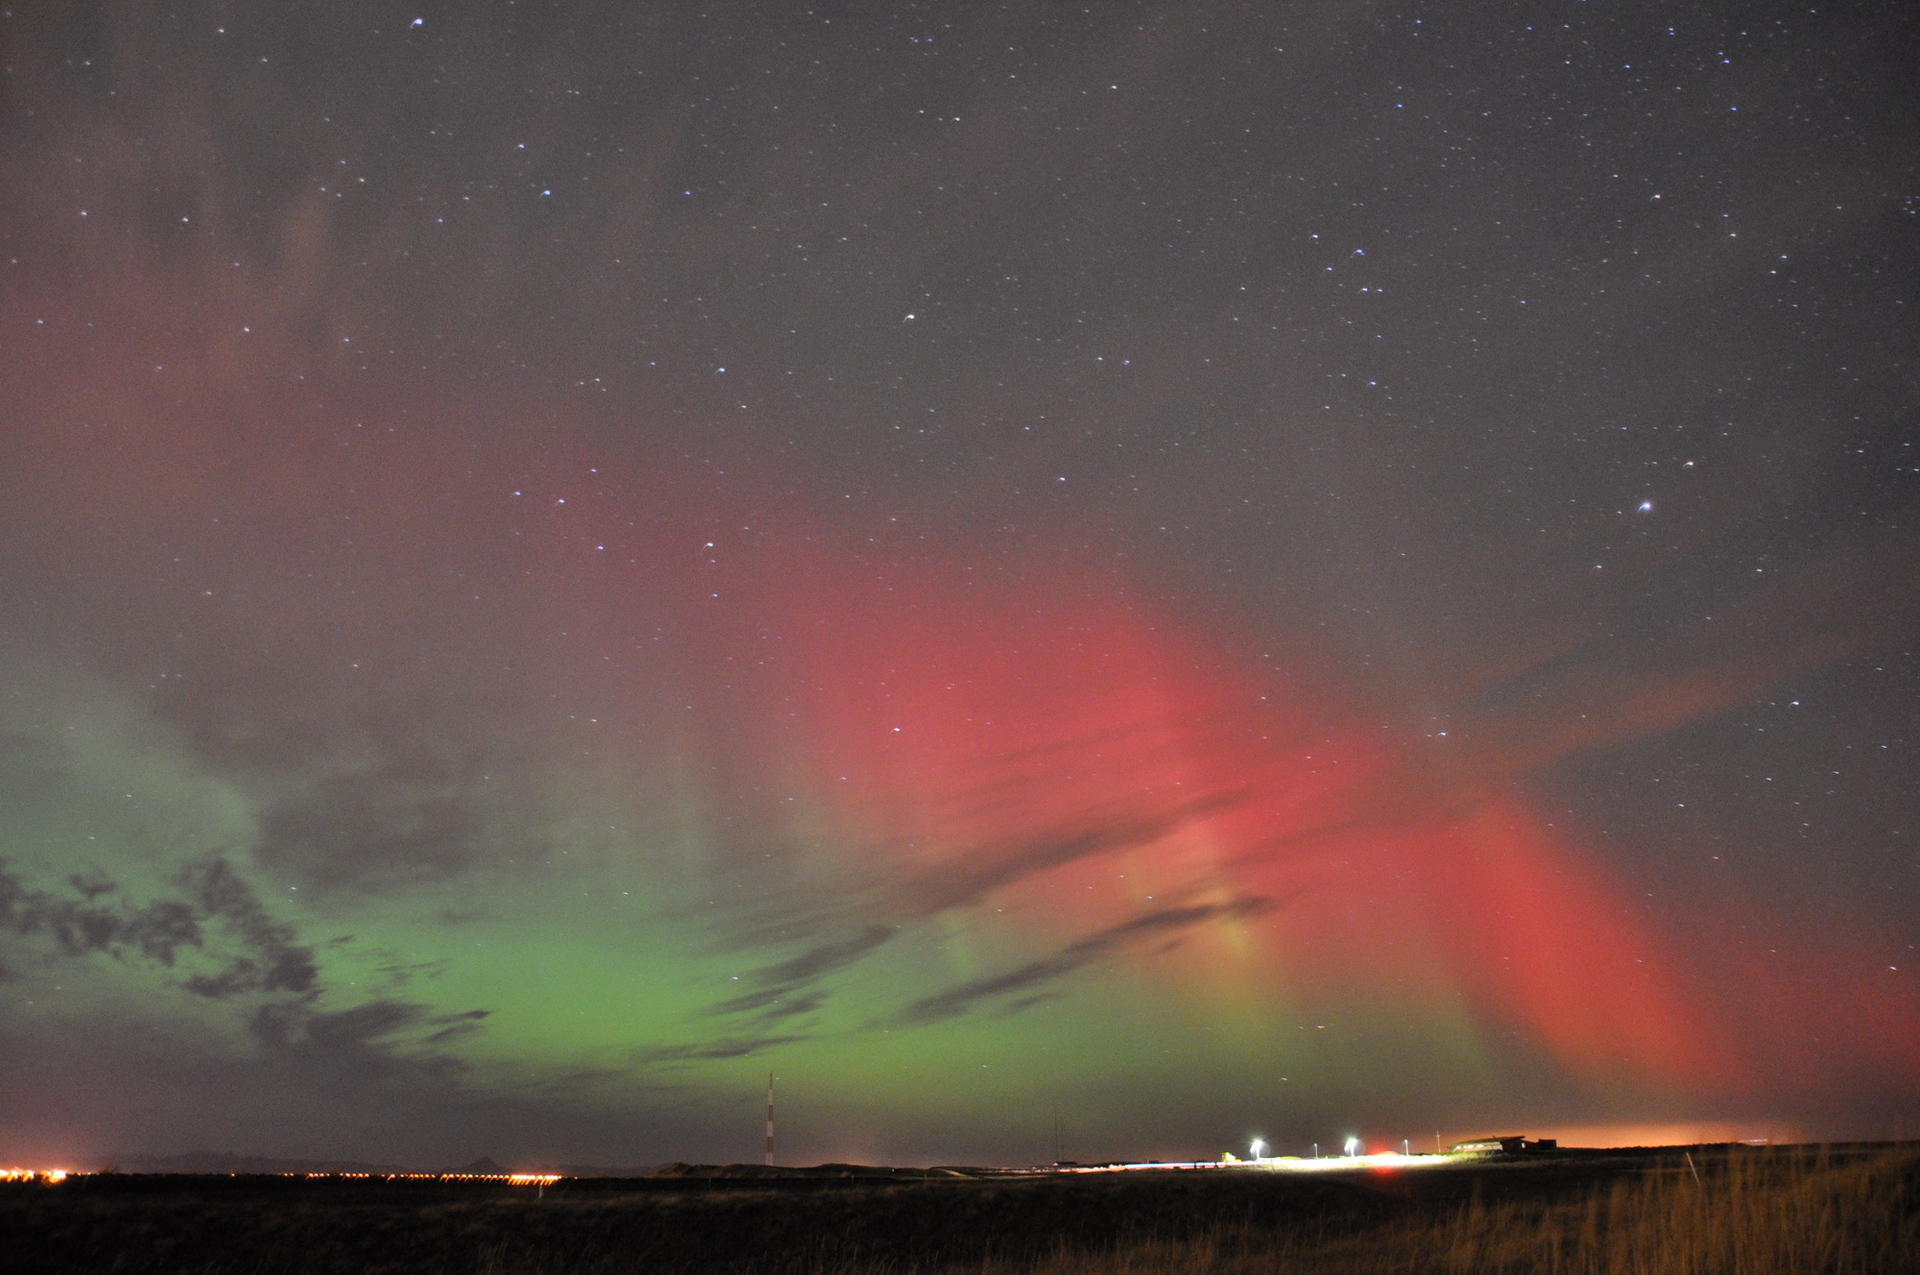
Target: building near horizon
[[1510, 1144]]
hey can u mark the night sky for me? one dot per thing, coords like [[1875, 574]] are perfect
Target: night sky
[[1288, 569]]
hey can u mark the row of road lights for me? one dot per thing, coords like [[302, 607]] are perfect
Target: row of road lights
[[1352, 1148]]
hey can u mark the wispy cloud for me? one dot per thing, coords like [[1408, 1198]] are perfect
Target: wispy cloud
[[259, 954], [777, 989], [959, 999], [966, 879], [731, 1047]]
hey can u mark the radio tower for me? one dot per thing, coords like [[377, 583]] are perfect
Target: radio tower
[[769, 1119]]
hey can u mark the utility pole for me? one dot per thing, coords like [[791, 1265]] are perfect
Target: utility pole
[[769, 1120]]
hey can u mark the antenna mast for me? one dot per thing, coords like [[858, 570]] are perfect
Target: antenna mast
[[769, 1119]]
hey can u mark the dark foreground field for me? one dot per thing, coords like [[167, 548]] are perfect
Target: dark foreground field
[[1726, 1209]]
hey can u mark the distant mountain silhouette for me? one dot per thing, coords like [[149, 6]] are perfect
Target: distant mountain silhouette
[[832, 1171], [228, 1162], [602, 1170], [485, 1166]]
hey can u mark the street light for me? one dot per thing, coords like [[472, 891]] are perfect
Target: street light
[[1259, 1148], [1353, 1146]]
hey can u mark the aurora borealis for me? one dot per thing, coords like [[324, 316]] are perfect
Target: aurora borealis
[[1216, 570]]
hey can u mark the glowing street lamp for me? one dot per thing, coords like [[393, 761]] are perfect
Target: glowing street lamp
[[1353, 1146], [1258, 1149]]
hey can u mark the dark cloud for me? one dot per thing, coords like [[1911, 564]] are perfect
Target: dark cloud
[[253, 958], [272, 961], [731, 1047], [776, 985], [964, 879], [454, 1027], [1698, 647], [400, 973], [824, 959], [363, 1024], [967, 877], [382, 785], [958, 1000], [64, 1082], [382, 1042], [791, 1005], [158, 931], [372, 832]]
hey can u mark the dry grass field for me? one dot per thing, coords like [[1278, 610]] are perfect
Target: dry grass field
[[1747, 1215], [1710, 1211]]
